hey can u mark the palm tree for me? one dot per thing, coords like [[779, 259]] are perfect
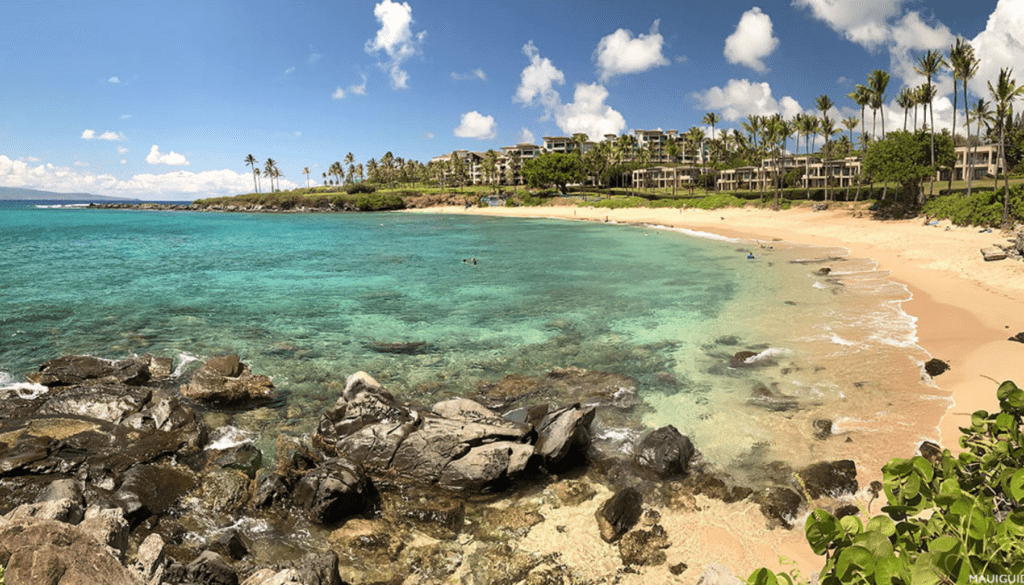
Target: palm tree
[[807, 124], [906, 100], [877, 82], [305, 171], [965, 66], [928, 65], [861, 95], [350, 160], [672, 150], [1004, 93], [579, 139], [251, 162], [268, 171], [824, 103]]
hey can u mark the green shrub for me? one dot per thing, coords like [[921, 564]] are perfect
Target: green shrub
[[379, 202], [622, 203], [983, 208], [948, 519], [360, 188], [718, 201]]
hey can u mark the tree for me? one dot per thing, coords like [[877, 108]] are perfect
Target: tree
[[251, 161], [906, 100], [512, 168], [965, 66], [305, 171], [861, 95], [268, 171], [350, 160], [807, 124], [878, 81], [553, 168], [489, 166], [905, 158], [712, 118], [824, 103], [1004, 93], [579, 139], [928, 65]]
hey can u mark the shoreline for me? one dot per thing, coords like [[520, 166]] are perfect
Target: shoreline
[[965, 310]]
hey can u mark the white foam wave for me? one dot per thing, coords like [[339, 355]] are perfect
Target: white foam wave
[[24, 390], [696, 233], [184, 359], [62, 206], [819, 285], [5, 378], [771, 352], [227, 437]]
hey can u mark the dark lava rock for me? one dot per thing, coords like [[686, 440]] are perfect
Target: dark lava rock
[[618, 514], [822, 428], [78, 369], [728, 340], [336, 490], [847, 510], [294, 456], [935, 367], [830, 478], [739, 359], [678, 569], [644, 547], [225, 381], [209, 568], [780, 505], [561, 433], [824, 271], [665, 451], [151, 490], [230, 544], [272, 489], [764, 397], [588, 387], [246, 458], [932, 452], [717, 489], [1019, 338]]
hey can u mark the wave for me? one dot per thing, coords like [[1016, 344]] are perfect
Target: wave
[[695, 233], [184, 360], [227, 437], [768, 354], [62, 206], [23, 390]]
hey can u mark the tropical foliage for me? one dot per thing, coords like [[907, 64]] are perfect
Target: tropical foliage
[[905, 158]]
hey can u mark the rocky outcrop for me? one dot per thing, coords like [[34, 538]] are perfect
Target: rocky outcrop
[[830, 478], [458, 445], [224, 381], [589, 388], [993, 254], [618, 514], [666, 452], [935, 367], [334, 491], [85, 369]]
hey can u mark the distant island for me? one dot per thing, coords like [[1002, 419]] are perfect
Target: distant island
[[19, 193]]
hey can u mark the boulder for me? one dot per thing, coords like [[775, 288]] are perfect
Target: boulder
[[224, 492], [935, 367], [830, 478], [665, 451], [149, 490], [336, 490], [561, 433], [932, 452], [78, 369], [151, 560], [588, 387], [63, 510], [780, 505], [992, 254], [209, 568], [246, 458], [618, 514], [272, 489], [225, 381], [1019, 338], [739, 359], [107, 526], [48, 552], [644, 547], [822, 428], [229, 544]]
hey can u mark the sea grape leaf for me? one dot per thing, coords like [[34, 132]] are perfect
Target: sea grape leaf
[[1017, 486], [882, 525]]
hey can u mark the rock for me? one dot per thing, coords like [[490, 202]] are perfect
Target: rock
[[573, 492], [824, 271], [462, 408], [62, 489], [589, 388], [644, 547], [151, 490], [822, 428], [293, 456], [678, 568], [502, 524], [336, 490], [713, 487], [935, 367], [224, 492], [510, 390], [993, 254], [209, 568], [225, 381], [441, 518], [105, 402], [831, 478], [108, 527], [151, 561], [159, 367], [847, 510], [665, 451], [229, 544], [739, 359], [561, 433], [618, 514], [319, 568], [780, 505], [63, 510], [48, 552], [1019, 338], [78, 369], [716, 574], [246, 458], [932, 452], [272, 489], [269, 577], [371, 550], [764, 397]]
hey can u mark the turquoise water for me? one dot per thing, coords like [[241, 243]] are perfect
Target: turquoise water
[[310, 299]]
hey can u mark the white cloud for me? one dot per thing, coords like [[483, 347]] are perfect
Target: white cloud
[[289, 70], [752, 40], [79, 163], [619, 53], [155, 157], [589, 114], [122, 149], [538, 80], [864, 22], [741, 98], [108, 135], [474, 74], [125, 116], [338, 94], [358, 89], [1000, 45], [525, 136], [297, 133], [476, 125], [395, 38], [88, 134], [429, 135], [114, 79], [172, 185], [313, 56], [124, 161]]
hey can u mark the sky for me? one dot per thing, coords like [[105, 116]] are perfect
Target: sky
[[164, 100]]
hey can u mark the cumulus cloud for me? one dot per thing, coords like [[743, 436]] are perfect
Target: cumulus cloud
[[358, 89], [752, 40], [125, 116], [865, 22], [525, 136], [619, 53], [538, 79], [476, 125], [589, 114], [88, 134], [741, 98], [338, 94], [114, 79], [122, 149], [289, 70], [155, 157], [172, 185], [396, 39], [1000, 45], [474, 74], [108, 135]]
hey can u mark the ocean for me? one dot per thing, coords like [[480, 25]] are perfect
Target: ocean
[[309, 299]]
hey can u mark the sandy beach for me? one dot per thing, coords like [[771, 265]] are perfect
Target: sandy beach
[[966, 309]]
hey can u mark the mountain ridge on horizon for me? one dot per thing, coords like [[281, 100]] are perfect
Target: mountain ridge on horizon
[[22, 193]]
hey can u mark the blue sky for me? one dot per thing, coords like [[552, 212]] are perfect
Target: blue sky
[[163, 100]]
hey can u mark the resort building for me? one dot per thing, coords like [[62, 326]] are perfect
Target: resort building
[[985, 159]]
